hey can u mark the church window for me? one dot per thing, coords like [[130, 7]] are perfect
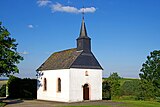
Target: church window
[[86, 73], [59, 85], [45, 84]]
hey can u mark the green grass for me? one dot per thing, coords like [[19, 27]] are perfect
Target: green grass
[[88, 106], [3, 82], [132, 103], [127, 103], [122, 80], [2, 104]]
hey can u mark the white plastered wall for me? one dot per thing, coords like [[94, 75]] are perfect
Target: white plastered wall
[[72, 81], [78, 79], [51, 92]]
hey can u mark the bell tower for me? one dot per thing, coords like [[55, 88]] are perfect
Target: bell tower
[[83, 41]]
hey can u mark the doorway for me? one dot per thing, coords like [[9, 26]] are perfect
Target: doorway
[[86, 92]]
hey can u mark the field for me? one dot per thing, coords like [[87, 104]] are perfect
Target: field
[[122, 80], [2, 82]]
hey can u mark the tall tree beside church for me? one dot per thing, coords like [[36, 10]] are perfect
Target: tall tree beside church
[[9, 57], [150, 76]]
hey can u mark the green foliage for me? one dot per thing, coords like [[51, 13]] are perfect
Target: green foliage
[[115, 84], [130, 88], [2, 104], [9, 56], [13, 85], [150, 77], [22, 88], [106, 90], [3, 91]]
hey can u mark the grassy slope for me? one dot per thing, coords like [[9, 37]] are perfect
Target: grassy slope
[[126, 79], [2, 82]]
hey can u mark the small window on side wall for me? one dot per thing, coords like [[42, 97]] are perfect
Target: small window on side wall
[[86, 73], [45, 84], [59, 85]]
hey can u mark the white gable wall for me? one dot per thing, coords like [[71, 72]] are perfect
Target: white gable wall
[[78, 79]]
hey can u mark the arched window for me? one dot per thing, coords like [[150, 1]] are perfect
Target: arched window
[[59, 85], [45, 84]]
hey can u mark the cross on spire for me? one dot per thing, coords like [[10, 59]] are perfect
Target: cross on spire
[[83, 9]]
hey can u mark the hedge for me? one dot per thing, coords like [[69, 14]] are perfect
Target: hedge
[[22, 88]]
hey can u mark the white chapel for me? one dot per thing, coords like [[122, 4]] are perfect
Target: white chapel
[[71, 75]]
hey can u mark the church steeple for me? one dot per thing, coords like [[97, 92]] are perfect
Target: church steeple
[[83, 31], [83, 41]]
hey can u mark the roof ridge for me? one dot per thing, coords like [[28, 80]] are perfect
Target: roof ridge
[[65, 50]]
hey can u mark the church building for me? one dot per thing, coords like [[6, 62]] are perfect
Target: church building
[[71, 75]]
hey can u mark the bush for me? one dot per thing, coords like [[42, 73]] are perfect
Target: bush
[[130, 88], [106, 90], [22, 88], [114, 82], [3, 91]]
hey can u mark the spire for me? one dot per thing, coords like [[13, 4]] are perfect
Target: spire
[[83, 41], [83, 31]]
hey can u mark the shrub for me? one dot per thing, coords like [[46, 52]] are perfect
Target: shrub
[[22, 88], [130, 88], [3, 91], [106, 90]]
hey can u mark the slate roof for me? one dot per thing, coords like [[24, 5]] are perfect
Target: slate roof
[[70, 58]]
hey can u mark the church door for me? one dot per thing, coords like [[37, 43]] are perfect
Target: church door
[[86, 92]]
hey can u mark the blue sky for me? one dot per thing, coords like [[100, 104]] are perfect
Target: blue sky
[[123, 32]]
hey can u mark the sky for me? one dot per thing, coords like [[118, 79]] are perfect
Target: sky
[[123, 32]]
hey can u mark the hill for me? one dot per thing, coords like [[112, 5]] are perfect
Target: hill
[[3, 82]]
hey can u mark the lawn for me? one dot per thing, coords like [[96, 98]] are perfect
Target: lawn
[[88, 106], [127, 103], [2, 104], [130, 103]]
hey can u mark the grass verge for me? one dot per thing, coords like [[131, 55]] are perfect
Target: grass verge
[[138, 103], [2, 104], [88, 106]]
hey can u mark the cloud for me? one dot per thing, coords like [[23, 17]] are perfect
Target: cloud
[[69, 9], [43, 2], [88, 10], [24, 53], [60, 8], [30, 26]]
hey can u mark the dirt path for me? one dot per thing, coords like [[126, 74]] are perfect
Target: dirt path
[[37, 103]]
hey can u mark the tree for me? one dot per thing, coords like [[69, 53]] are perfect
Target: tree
[[130, 87], [106, 90], [9, 57], [115, 84], [150, 76]]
